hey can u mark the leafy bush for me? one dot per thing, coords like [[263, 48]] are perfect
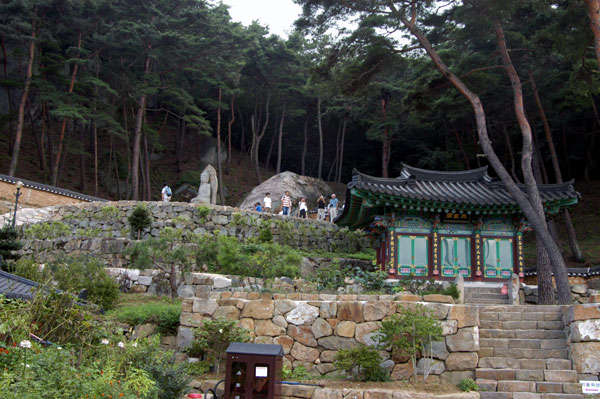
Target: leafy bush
[[410, 332], [329, 278], [451, 290], [164, 314], [468, 385], [265, 234], [225, 254], [367, 361], [202, 211], [47, 231], [298, 374], [165, 253], [109, 212], [214, 336], [73, 274], [371, 281], [139, 220], [9, 244]]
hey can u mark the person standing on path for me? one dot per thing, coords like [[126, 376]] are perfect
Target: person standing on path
[[333, 204], [286, 203], [267, 203], [321, 208], [303, 208], [166, 193]]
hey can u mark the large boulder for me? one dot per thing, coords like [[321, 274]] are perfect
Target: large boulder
[[298, 186]]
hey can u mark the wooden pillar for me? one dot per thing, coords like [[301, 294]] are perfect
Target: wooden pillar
[[477, 244], [435, 261], [392, 262], [520, 256]]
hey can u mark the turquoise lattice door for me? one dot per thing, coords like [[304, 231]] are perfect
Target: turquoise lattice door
[[456, 256], [413, 255], [498, 257]]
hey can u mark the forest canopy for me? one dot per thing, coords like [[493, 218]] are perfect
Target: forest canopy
[[112, 85]]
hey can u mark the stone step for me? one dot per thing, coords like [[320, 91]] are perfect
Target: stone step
[[525, 353], [483, 289], [523, 343], [521, 334], [491, 295], [521, 308], [528, 395], [486, 301], [524, 364], [521, 325], [510, 374], [515, 316]]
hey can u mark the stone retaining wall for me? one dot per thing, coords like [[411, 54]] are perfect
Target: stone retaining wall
[[583, 327], [108, 220], [312, 327], [306, 391]]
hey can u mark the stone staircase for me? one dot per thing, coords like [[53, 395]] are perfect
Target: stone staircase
[[523, 354], [479, 295]]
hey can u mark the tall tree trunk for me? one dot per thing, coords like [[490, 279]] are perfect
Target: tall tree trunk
[[137, 136], [21, 115], [333, 168], [589, 153], [219, 150], [49, 144], [9, 96], [229, 124], [82, 159], [537, 222], [180, 141], [560, 271], [38, 141], [461, 147], [593, 9], [273, 137], [575, 250], [243, 128], [147, 165], [320, 124], [511, 153], [386, 142], [280, 138], [64, 122], [341, 161], [304, 147], [258, 135]]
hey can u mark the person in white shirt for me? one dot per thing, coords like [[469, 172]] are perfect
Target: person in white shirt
[[303, 208], [267, 203], [166, 193]]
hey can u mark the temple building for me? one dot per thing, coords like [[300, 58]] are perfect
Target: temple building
[[436, 224]]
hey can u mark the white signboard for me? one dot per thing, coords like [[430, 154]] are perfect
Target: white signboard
[[261, 371], [590, 386]]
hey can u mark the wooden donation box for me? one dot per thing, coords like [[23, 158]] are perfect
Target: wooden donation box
[[253, 371]]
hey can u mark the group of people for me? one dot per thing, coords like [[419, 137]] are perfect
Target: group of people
[[286, 206]]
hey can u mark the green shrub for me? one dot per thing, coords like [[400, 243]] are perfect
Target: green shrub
[[451, 290], [29, 268], [47, 231], [214, 336], [410, 332], [365, 359], [109, 212], [9, 244], [371, 281], [298, 374], [202, 212], [162, 313], [265, 234], [139, 220], [329, 278], [74, 273], [468, 385]]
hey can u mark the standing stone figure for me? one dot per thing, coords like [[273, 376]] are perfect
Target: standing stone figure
[[209, 185]]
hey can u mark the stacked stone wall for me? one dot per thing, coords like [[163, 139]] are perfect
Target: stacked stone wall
[[103, 228], [583, 328], [312, 327]]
